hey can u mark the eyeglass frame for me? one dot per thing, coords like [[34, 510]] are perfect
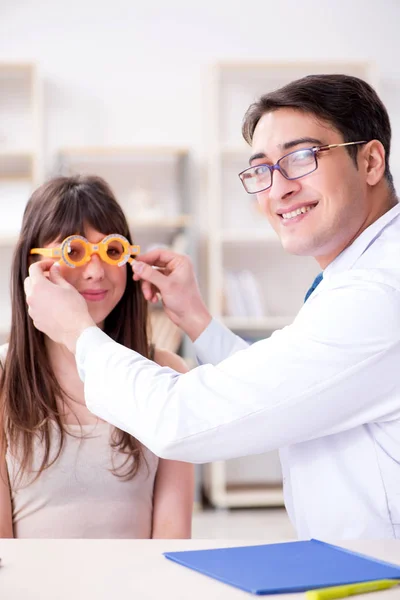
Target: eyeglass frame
[[90, 249], [276, 167]]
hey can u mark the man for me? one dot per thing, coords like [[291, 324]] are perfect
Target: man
[[324, 390]]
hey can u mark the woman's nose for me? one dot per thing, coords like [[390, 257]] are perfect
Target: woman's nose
[[95, 267]]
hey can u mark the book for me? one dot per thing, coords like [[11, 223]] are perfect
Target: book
[[285, 567]]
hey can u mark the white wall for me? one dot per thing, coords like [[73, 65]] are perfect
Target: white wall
[[124, 71]]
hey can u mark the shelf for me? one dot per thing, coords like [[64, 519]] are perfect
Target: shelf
[[167, 223], [237, 151], [163, 332], [121, 151], [325, 65], [14, 66], [8, 69], [249, 236], [223, 494], [247, 496], [17, 178], [4, 333], [8, 239], [260, 324], [16, 166], [249, 271]]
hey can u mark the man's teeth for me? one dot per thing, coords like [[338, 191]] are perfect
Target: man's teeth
[[297, 212]]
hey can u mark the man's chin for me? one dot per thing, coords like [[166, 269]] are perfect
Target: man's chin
[[298, 247]]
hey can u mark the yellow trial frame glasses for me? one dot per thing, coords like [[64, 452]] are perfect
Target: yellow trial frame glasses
[[85, 249]]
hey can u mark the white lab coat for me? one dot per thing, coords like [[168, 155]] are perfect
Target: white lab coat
[[324, 390]]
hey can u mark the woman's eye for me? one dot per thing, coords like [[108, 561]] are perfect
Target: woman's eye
[[115, 251]]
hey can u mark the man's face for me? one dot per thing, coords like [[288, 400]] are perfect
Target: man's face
[[335, 194]]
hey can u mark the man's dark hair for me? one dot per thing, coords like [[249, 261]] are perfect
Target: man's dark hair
[[348, 103]]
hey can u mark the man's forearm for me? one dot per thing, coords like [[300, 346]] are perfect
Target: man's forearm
[[195, 323], [72, 336]]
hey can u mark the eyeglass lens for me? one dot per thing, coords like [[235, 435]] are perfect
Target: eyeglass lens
[[76, 250]]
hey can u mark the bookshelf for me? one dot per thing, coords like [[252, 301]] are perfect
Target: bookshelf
[[151, 184], [245, 254], [21, 162]]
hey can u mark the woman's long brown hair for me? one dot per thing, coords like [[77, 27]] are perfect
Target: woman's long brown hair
[[29, 388]]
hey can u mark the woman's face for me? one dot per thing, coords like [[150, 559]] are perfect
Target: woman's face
[[102, 285]]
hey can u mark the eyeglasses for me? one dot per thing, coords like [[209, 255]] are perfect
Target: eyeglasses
[[294, 165], [76, 250]]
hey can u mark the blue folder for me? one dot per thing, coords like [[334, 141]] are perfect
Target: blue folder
[[286, 567]]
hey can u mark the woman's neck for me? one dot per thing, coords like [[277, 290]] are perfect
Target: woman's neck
[[73, 407], [61, 359]]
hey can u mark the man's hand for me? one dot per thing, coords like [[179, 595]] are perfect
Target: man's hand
[[55, 306], [175, 280]]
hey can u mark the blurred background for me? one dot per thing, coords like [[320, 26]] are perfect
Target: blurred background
[[151, 97]]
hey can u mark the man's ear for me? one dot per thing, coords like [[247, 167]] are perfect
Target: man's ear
[[372, 159]]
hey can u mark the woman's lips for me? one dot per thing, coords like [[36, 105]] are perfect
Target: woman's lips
[[94, 295]]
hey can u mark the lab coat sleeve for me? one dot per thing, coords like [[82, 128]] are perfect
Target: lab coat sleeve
[[217, 343], [335, 368]]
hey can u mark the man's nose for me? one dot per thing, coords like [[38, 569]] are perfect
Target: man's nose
[[282, 188]]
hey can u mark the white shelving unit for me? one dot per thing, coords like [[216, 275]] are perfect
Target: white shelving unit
[[241, 241], [21, 164], [151, 184]]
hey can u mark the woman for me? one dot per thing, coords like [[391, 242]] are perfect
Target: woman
[[65, 473]]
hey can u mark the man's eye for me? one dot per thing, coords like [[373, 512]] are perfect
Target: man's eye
[[302, 157], [260, 170]]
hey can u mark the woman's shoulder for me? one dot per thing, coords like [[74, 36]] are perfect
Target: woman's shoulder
[[165, 358]]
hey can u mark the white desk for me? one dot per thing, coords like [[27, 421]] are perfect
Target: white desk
[[132, 570]]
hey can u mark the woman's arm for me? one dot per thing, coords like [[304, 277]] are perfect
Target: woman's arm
[[173, 500], [174, 484], [6, 527]]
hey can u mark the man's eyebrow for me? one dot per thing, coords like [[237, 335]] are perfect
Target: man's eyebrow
[[288, 146], [256, 156], [303, 140]]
